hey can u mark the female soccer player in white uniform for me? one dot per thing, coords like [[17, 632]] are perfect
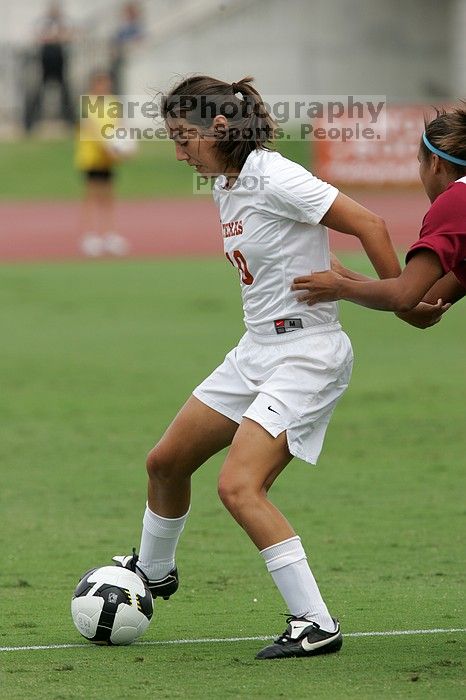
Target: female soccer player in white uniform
[[273, 396]]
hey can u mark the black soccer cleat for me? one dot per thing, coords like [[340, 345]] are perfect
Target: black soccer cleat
[[302, 638], [159, 588]]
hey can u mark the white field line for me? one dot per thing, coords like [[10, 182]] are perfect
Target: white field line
[[220, 640]]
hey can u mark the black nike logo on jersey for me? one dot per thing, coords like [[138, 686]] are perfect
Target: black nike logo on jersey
[[272, 409]]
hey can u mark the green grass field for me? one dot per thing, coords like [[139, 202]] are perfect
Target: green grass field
[[35, 169], [94, 361]]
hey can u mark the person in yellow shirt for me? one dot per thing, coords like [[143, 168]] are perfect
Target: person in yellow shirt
[[97, 160]]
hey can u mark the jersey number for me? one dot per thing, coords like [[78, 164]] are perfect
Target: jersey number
[[239, 261]]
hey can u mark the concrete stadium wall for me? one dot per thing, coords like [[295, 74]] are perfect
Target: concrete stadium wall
[[396, 47], [406, 49]]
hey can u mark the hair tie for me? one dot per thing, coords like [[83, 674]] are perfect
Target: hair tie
[[442, 154], [235, 88]]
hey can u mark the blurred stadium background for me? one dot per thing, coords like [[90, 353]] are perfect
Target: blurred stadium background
[[414, 52], [411, 51]]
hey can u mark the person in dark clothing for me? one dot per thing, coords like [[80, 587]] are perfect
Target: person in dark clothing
[[129, 32], [53, 37]]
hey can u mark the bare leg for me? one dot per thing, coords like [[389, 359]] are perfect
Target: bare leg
[[106, 206], [87, 208], [97, 212], [253, 463], [197, 433]]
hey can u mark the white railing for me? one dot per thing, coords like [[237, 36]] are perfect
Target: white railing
[[186, 15]]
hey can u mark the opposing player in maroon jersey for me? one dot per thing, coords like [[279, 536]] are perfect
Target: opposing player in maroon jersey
[[435, 272]]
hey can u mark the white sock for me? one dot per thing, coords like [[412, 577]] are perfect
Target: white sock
[[158, 543], [287, 563]]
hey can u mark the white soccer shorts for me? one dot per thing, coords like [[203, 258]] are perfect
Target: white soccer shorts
[[290, 382]]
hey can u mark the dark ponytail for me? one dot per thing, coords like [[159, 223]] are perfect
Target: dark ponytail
[[447, 132], [199, 99]]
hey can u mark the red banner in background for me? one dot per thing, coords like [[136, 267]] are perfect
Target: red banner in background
[[375, 162]]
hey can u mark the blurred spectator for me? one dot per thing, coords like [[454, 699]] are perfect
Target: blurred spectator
[[53, 36], [97, 159], [128, 33]]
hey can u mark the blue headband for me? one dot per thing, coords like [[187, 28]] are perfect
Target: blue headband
[[442, 154]]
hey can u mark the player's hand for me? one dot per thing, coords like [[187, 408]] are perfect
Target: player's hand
[[336, 266], [425, 315], [318, 287]]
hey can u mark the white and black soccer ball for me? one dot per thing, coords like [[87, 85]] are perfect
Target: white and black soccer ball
[[111, 605]]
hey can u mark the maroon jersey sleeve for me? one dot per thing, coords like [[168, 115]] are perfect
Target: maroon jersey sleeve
[[444, 231]]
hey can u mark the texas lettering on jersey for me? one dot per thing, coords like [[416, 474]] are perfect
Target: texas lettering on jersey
[[232, 228], [272, 235], [239, 261]]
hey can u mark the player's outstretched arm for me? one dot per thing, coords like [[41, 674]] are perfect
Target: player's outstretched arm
[[445, 292], [447, 288], [400, 294], [347, 216]]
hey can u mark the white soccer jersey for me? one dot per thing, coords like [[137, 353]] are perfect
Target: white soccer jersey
[[270, 225]]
